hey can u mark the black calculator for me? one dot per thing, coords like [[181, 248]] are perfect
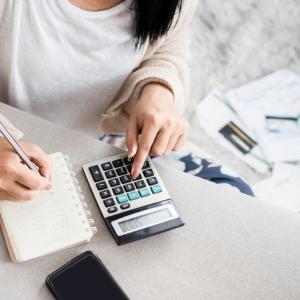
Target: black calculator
[[132, 209]]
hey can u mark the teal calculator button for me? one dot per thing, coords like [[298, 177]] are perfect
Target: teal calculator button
[[122, 199], [144, 192], [156, 189], [133, 195]]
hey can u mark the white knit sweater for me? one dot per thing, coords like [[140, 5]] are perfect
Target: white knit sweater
[[165, 61]]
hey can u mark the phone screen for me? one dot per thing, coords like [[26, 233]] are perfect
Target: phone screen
[[85, 278]]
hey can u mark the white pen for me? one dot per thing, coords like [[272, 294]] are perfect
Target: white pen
[[18, 149]]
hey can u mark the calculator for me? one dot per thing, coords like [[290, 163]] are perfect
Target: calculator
[[131, 209]]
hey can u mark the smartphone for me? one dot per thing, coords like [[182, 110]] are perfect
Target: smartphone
[[84, 277]]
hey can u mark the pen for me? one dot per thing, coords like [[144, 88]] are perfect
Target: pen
[[18, 149]]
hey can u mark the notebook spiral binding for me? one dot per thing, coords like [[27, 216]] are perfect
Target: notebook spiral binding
[[84, 205]]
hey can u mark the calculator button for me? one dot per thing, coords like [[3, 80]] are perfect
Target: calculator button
[[118, 163], [118, 190], [106, 166], [109, 202], [152, 180], [125, 179], [144, 192], [101, 186], [146, 165], [114, 182], [110, 174], [156, 189], [138, 178], [96, 174], [125, 205], [128, 160], [121, 171], [105, 194], [122, 198], [148, 173], [129, 187], [133, 195], [112, 209], [140, 184]]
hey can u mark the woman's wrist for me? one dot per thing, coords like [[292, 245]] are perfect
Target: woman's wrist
[[156, 89]]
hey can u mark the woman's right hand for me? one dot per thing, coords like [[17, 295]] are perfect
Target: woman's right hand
[[17, 181]]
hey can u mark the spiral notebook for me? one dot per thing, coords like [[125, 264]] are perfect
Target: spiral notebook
[[54, 220]]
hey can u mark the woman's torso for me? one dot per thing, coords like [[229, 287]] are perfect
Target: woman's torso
[[63, 63]]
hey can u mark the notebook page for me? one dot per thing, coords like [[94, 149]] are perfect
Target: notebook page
[[52, 221]]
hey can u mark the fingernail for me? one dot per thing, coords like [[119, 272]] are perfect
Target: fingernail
[[134, 172], [130, 151], [47, 175]]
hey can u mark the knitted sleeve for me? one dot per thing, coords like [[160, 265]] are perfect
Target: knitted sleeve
[[165, 62]]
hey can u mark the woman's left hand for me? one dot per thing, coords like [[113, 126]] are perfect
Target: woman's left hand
[[154, 127]]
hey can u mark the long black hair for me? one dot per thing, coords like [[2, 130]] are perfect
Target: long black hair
[[153, 18]]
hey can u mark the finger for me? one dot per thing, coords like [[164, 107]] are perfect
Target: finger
[[30, 179], [132, 136], [161, 142], [182, 139], [18, 192], [149, 132], [41, 159], [172, 143]]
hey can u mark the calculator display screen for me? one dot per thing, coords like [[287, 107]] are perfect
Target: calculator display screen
[[145, 220]]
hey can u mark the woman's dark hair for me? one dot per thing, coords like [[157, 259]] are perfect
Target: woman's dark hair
[[153, 18]]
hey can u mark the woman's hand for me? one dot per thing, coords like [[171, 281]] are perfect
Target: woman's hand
[[17, 181], [154, 127]]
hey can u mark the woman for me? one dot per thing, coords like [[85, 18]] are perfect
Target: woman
[[72, 61]]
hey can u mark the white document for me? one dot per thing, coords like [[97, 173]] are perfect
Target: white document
[[282, 188], [213, 114], [276, 94]]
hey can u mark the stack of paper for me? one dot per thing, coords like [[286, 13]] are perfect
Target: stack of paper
[[279, 95], [220, 122], [260, 123]]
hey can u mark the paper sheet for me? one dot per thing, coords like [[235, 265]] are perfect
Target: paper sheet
[[276, 94], [282, 188], [213, 114]]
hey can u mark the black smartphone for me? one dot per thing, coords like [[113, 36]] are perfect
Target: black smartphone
[[84, 277]]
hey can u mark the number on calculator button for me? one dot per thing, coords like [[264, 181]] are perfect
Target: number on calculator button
[[106, 166], [96, 174], [105, 194], [118, 163]]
